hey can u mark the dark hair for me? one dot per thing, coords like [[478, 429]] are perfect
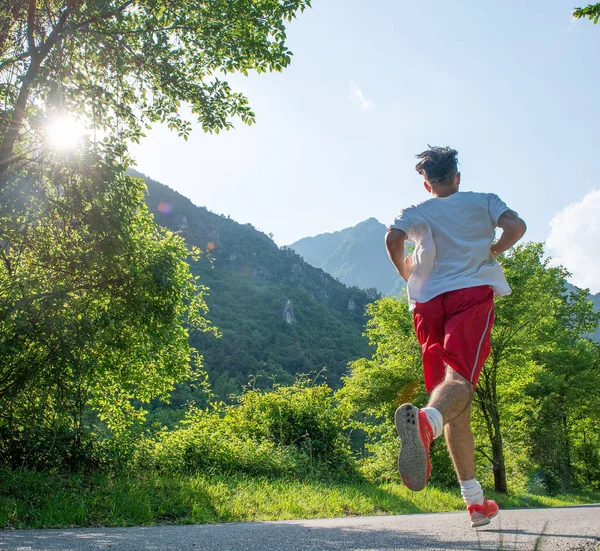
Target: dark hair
[[437, 164]]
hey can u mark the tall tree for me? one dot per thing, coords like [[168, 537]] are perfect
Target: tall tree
[[96, 300], [540, 320], [123, 64]]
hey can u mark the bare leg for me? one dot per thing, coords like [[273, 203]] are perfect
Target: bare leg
[[459, 439], [452, 396]]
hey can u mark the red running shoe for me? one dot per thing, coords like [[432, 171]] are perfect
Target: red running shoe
[[416, 435], [482, 514]]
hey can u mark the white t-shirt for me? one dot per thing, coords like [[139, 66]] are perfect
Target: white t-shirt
[[452, 236]]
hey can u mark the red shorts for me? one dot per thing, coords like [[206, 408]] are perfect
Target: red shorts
[[454, 329]]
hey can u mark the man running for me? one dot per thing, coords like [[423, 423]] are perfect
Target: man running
[[452, 277]]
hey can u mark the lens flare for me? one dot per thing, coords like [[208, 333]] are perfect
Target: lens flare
[[165, 208], [64, 132]]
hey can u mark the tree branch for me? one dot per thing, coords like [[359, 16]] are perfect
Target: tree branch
[[18, 114], [109, 15], [21, 57], [5, 258], [482, 452], [31, 12]]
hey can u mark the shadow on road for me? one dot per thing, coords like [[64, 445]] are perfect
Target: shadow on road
[[347, 534]]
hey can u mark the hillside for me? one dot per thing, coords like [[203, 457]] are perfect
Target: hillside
[[278, 315], [355, 256]]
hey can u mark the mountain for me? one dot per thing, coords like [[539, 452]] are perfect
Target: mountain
[[279, 316], [355, 256]]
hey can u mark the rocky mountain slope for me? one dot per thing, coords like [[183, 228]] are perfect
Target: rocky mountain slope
[[279, 316], [355, 256]]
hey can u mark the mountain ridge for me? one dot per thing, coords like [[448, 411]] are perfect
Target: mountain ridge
[[354, 255], [279, 316], [357, 256]]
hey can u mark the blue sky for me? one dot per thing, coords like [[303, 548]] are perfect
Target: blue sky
[[514, 86]]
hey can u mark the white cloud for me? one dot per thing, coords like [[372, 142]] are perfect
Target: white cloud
[[574, 240], [357, 93]]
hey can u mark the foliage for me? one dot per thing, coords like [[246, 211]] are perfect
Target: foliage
[[95, 304], [122, 65], [209, 442], [592, 12], [538, 341], [303, 416], [289, 430], [376, 387], [252, 282]]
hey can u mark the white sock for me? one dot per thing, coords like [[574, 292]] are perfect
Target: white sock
[[471, 492], [435, 420]]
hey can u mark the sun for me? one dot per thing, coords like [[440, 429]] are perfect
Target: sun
[[64, 132]]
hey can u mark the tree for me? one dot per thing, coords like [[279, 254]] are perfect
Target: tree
[[375, 387], [122, 64], [541, 328], [592, 12], [379, 385], [96, 301], [528, 400]]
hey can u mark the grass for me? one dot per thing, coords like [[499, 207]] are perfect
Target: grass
[[41, 500]]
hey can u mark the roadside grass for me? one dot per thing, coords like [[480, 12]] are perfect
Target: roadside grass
[[42, 500]]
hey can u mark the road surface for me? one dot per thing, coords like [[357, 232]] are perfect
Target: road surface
[[573, 528]]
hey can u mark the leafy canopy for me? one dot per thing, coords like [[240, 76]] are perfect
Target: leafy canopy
[[122, 65], [96, 300], [529, 416]]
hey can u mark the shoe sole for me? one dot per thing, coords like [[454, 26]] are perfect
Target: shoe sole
[[412, 461], [484, 521]]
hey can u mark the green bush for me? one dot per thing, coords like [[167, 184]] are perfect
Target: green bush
[[42, 448], [302, 416], [207, 441], [296, 430]]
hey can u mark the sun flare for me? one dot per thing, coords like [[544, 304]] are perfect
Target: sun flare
[[64, 132]]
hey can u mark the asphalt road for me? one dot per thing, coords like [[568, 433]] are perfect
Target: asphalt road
[[574, 528]]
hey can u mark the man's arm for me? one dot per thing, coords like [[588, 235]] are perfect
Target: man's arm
[[513, 228], [394, 243]]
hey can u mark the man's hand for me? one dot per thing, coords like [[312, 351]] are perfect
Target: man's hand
[[394, 243], [513, 228]]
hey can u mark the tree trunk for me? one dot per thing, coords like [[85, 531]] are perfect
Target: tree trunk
[[37, 55], [487, 399], [498, 462], [568, 467]]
